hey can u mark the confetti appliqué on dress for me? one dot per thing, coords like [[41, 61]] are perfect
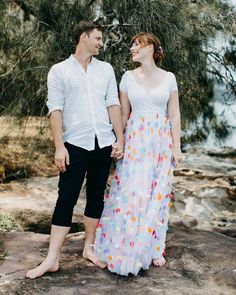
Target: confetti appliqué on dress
[[132, 229]]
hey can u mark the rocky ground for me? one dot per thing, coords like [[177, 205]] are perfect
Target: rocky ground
[[199, 262], [201, 244]]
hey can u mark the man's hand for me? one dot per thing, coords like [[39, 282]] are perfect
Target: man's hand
[[61, 158], [118, 149]]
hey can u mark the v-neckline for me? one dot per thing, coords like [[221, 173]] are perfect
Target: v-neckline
[[152, 88]]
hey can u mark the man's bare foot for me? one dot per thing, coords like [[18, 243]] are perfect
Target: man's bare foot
[[44, 267], [159, 262], [88, 254]]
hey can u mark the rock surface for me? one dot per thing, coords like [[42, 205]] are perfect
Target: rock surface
[[205, 193], [204, 196], [199, 262], [201, 250]]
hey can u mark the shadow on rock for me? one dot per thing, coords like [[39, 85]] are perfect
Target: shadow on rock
[[40, 221]]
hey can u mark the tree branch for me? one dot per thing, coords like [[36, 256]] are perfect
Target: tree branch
[[26, 7], [91, 2]]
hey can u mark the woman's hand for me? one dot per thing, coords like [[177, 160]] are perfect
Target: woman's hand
[[177, 156], [117, 150]]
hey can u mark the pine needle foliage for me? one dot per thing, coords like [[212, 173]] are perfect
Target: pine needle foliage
[[38, 33]]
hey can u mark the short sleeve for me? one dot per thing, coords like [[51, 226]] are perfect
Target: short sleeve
[[173, 83], [55, 90], [123, 83]]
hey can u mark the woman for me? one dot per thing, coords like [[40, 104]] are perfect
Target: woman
[[132, 230]]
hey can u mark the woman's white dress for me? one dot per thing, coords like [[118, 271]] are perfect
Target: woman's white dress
[[132, 229]]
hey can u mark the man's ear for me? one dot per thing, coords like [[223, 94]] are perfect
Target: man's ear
[[84, 36]]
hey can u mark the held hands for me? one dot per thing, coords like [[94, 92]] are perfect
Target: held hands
[[118, 150], [177, 156], [61, 158]]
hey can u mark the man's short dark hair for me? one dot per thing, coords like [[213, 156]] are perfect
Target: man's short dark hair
[[85, 27]]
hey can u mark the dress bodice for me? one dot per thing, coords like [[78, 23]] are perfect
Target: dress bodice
[[148, 100]]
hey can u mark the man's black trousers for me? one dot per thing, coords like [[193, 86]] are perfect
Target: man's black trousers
[[95, 165]]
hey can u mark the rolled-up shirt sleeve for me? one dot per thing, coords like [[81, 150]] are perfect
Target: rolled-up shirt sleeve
[[56, 98], [112, 92]]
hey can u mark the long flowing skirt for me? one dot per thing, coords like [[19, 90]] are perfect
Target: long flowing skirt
[[132, 229]]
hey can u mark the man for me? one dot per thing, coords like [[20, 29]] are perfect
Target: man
[[83, 102]]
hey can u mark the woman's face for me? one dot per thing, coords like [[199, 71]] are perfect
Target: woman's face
[[138, 52]]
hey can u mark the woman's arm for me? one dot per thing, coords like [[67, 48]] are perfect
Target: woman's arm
[[174, 116], [125, 108]]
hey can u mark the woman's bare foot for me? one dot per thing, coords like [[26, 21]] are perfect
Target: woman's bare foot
[[88, 254], [44, 267], [159, 262]]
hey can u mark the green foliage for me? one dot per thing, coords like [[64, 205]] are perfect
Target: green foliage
[[30, 45], [2, 251], [220, 129], [6, 223], [30, 48], [185, 29]]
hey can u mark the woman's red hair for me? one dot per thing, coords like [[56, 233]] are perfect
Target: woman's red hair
[[145, 38]]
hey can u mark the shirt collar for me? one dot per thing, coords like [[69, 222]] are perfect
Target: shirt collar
[[93, 59]]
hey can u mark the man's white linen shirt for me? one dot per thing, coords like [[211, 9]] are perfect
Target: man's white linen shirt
[[83, 98]]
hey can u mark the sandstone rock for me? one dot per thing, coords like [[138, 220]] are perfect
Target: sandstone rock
[[199, 262]]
